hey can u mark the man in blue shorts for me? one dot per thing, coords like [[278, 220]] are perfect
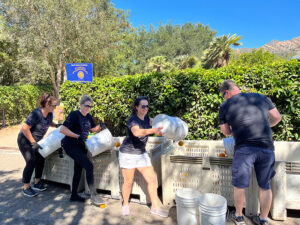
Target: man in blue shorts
[[249, 118]]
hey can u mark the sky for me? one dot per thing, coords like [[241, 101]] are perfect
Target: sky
[[257, 21]]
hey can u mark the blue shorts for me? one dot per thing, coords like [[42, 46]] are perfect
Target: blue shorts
[[245, 158]]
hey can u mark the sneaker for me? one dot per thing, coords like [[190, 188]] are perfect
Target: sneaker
[[125, 210], [238, 220], [29, 192], [39, 187], [159, 212], [257, 220], [97, 200], [77, 198]]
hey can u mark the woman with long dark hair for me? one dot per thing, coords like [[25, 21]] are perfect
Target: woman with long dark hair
[[133, 155], [32, 131]]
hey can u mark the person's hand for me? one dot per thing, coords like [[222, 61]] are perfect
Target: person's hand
[[81, 139], [58, 125], [157, 131], [35, 146]]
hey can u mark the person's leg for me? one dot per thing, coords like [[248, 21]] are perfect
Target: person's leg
[[264, 169], [76, 178], [39, 167], [79, 157], [128, 175], [265, 200], [150, 177], [239, 197], [241, 171], [29, 156]]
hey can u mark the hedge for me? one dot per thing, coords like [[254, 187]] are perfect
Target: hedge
[[18, 101], [192, 95]]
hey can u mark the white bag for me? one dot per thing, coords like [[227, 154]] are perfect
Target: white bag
[[229, 144], [51, 143], [100, 142], [173, 127]]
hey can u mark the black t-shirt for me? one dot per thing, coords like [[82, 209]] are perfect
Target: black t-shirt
[[248, 116], [133, 144], [79, 124], [38, 123]]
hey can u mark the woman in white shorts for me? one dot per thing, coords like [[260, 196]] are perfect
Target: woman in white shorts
[[133, 155]]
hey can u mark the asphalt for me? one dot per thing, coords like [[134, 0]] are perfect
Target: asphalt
[[53, 205]]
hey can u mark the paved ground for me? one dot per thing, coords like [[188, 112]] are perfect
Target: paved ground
[[53, 206]]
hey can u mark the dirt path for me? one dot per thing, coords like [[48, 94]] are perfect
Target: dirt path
[[8, 137]]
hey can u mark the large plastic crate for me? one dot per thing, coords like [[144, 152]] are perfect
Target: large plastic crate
[[155, 147], [285, 184], [60, 170], [205, 174]]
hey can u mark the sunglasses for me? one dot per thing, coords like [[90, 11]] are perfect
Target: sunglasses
[[145, 106], [88, 106], [53, 106]]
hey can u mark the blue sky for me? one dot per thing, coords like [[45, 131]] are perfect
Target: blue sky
[[258, 21]]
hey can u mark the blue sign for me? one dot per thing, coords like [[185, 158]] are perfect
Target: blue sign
[[80, 72]]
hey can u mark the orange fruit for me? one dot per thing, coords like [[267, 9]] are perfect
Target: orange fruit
[[222, 154], [117, 144], [180, 143]]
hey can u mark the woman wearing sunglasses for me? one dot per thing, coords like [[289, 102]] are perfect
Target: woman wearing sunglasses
[[32, 131], [76, 130], [133, 155]]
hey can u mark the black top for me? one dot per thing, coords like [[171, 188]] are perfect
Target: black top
[[79, 124], [247, 115], [38, 123], [133, 144]]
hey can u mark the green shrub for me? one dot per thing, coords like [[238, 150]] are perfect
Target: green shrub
[[192, 95], [19, 101]]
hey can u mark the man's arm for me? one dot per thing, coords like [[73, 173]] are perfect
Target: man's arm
[[274, 117], [225, 129]]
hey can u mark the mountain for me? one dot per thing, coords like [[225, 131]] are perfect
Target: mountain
[[288, 47]]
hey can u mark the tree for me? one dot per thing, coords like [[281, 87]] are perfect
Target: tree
[[219, 51], [185, 61], [256, 57], [167, 40], [9, 66], [158, 64], [52, 33]]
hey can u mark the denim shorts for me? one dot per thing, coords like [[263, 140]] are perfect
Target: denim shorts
[[245, 158]]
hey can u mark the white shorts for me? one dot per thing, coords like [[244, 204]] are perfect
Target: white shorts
[[131, 161]]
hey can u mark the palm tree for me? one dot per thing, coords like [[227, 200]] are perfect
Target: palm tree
[[158, 64], [219, 51]]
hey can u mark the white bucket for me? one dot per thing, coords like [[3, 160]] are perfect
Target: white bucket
[[51, 143], [100, 142], [187, 206], [173, 127], [212, 209], [229, 144]]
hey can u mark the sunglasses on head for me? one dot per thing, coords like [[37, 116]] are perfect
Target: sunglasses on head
[[88, 106], [145, 106]]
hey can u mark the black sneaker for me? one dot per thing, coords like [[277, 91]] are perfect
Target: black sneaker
[[77, 198], [39, 187], [238, 220], [29, 192], [257, 220]]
